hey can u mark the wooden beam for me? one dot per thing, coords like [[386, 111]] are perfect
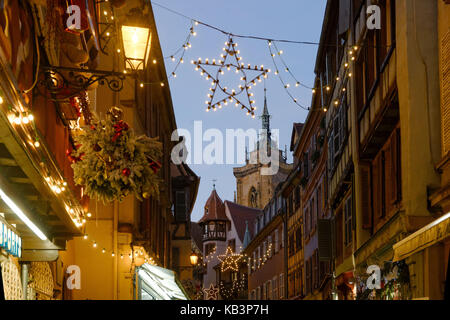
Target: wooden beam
[[39, 255], [8, 162]]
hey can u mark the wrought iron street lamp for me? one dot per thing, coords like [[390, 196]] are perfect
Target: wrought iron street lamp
[[134, 37]]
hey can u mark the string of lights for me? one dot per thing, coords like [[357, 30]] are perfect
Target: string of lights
[[287, 69], [285, 85], [235, 35]]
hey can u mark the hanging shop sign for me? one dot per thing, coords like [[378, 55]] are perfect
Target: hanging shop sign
[[10, 241]]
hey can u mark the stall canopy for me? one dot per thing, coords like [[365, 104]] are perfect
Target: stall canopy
[[432, 233], [156, 283]]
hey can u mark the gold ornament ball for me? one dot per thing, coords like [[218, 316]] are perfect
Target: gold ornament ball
[[80, 181], [146, 195]]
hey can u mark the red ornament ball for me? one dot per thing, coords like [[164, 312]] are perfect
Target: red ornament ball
[[126, 172]]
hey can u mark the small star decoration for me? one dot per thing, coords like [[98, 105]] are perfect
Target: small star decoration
[[212, 293], [239, 67], [229, 260]]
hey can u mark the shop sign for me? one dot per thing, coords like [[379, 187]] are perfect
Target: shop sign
[[9, 240]]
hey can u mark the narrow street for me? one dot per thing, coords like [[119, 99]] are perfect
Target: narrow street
[[312, 164]]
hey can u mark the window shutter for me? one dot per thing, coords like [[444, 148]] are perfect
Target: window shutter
[[324, 239], [316, 269], [395, 177], [389, 175], [365, 197], [445, 92], [376, 184], [330, 151], [307, 276]]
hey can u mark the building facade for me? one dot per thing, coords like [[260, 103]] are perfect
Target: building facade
[[265, 249], [224, 226], [379, 117], [91, 249]]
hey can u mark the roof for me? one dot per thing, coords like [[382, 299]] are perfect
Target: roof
[[214, 209], [296, 133], [240, 214], [196, 235]]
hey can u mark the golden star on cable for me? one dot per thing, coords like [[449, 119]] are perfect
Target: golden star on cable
[[229, 260], [239, 67], [212, 293]]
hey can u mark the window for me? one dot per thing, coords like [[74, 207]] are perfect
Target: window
[[275, 288], [274, 208], [348, 221], [298, 238], [264, 291], [308, 276], [270, 246], [306, 222], [281, 286], [297, 197], [180, 206], [253, 295], [260, 254], [282, 237], [269, 290], [276, 241], [313, 214], [264, 251], [316, 269], [254, 260], [258, 293], [306, 165], [386, 179], [291, 245]]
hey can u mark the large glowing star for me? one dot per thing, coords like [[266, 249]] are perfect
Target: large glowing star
[[230, 260], [241, 95]]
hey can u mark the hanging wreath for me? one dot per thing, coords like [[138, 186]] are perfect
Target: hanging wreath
[[110, 162]]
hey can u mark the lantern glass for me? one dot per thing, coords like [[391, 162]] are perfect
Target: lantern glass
[[194, 259], [136, 45]]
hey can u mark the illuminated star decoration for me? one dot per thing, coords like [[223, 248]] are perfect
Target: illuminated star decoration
[[239, 67], [212, 293], [229, 260]]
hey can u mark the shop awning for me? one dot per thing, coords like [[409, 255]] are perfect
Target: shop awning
[[156, 283], [432, 233]]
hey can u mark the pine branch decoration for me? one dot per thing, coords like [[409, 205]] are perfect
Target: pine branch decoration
[[110, 162]]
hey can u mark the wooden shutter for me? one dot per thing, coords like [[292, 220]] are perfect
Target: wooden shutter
[[366, 189], [389, 177], [397, 166], [376, 186], [324, 239], [445, 92]]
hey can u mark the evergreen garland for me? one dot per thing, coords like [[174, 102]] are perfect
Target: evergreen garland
[[110, 162]]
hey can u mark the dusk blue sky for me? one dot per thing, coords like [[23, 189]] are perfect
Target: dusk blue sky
[[299, 20]]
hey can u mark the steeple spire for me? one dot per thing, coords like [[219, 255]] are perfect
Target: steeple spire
[[266, 120], [265, 116]]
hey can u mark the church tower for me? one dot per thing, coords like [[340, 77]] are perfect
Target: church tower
[[214, 224], [252, 188]]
